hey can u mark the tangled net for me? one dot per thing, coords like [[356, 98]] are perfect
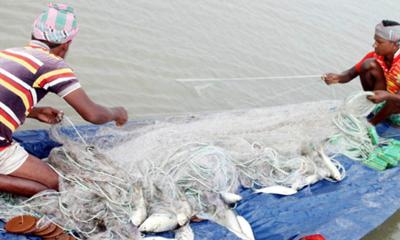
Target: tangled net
[[117, 183]]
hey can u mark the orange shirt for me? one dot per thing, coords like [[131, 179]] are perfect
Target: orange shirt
[[392, 75]]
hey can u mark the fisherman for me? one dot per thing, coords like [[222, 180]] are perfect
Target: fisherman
[[27, 74], [379, 71]]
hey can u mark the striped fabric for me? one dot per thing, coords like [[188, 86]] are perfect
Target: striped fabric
[[56, 25], [54, 77], [8, 117], [18, 87], [31, 63], [26, 76], [392, 75]]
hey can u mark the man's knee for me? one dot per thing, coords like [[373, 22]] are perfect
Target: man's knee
[[52, 181], [43, 173], [393, 107]]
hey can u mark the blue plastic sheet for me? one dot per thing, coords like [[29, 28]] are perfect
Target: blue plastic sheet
[[345, 210]]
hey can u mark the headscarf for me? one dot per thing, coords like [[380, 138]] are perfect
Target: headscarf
[[390, 33], [56, 25]]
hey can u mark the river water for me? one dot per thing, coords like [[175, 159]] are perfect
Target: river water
[[136, 53]]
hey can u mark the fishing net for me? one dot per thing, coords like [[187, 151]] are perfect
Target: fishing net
[[116, 183], [96, 198], [352, 139]]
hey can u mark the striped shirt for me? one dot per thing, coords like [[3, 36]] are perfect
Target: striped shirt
[[392, 74], [26, 76]]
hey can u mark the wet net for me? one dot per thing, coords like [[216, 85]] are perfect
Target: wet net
[[120, 183]]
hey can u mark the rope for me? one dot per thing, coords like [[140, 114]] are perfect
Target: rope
[[246, 78], [76, 130], [353, 140]]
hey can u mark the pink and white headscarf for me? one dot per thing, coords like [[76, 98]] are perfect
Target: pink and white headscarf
[[390, 33], [57, 24]]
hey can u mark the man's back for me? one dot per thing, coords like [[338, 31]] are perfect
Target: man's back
[[26, 76]]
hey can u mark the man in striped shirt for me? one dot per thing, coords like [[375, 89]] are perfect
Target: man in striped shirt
[[26, 75], [379, 71]]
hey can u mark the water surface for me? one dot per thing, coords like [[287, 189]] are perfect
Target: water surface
[[130, 53]]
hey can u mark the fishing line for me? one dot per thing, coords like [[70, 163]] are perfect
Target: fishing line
[[76, 130], [280, 94], [246, 78]]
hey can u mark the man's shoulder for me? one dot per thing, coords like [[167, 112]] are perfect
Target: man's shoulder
[[50, 61], [371, 54], [36, 55]]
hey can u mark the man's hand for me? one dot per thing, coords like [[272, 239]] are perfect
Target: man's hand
[[46, 114], [331, 78], [379, 96], [120, 115]]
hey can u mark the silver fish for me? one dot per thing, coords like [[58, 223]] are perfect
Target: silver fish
[[246, 227], [139, 214], [184, 212], [334, 172], [230, 198], [159, 222], [184, 233], [280, 190]]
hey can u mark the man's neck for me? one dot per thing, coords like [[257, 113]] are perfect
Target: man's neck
[[60, 51], [390, 57]]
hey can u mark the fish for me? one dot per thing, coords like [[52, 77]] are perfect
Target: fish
[[334, 172], [232, 224], [184, 233], [184, 212], [227, 218], [158, 238], [301, 182], [277, 189], [230, 198], [139, 213], [159, 222], [246, 227]]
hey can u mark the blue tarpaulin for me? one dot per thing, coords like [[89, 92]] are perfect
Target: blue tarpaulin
[[345, 210]]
